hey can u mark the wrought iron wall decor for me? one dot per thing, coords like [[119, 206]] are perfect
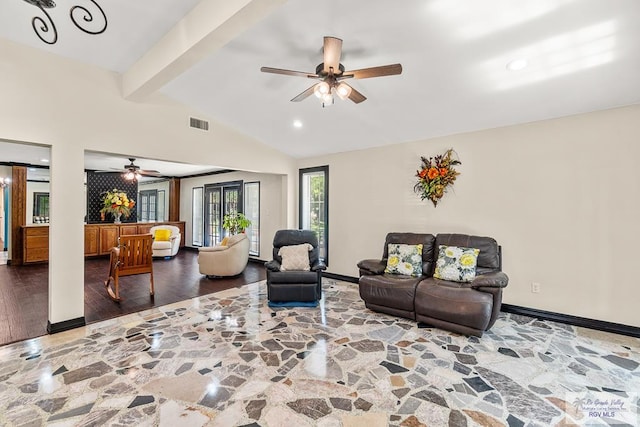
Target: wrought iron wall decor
[[81, 16]]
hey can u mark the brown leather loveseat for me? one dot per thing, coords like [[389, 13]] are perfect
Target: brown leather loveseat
[[469, 308]]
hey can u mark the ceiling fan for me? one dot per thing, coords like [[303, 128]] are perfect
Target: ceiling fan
[[332, 74], [133, 171]]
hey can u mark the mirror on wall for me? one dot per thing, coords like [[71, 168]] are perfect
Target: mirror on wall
[[37, 195], [40, 208]]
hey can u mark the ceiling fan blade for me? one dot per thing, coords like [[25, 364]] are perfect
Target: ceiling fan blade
[[288, 72], [383, 70], [149, 173], [332, 52], [356, 96], [304, 94]]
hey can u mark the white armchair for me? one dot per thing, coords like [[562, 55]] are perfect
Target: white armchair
[[165, 246], [225, 260]]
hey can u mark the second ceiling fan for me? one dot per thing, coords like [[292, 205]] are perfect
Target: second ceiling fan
[[332, 75], [133, 171]]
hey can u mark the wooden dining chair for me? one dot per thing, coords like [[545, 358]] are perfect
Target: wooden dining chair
[[133, 255]]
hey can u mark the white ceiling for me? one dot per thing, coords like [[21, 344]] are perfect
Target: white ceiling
[[584, 55]]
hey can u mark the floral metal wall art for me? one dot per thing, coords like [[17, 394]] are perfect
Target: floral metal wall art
[[435, 175]]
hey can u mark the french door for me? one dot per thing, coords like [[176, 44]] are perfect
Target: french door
[[220, 199], [147, 205]]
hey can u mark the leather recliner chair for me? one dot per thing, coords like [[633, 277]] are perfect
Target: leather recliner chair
[[295, 285], [393, 293], [467, 308]]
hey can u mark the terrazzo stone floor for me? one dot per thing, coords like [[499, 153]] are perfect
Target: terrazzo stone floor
[[227, 359]]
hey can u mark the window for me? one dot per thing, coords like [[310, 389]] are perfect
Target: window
[[219, 200], [314, 205], [161, 204], [252, 212], [148, 205], [197, 216]]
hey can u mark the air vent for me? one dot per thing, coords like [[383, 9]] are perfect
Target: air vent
[[198, 124]]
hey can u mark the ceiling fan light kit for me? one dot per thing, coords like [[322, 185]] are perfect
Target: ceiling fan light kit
[[331, 74], [343, 90], [131, 175], [133, 172], [81, 17]]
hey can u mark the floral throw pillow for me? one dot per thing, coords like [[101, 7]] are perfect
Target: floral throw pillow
[[404, 259], [457, 264]]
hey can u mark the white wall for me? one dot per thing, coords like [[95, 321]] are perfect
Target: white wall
[[72, 108], [272, 213], [561, 196]]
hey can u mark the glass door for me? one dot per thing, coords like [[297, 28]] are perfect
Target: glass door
[[147, 205], [213, 219], [314, 205], [220, 199]]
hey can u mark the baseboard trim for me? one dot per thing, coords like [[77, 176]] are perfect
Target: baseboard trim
[[599, 325], [584, 322], [54, 328], [340, 277]]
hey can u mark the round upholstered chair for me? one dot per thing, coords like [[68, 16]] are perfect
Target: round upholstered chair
[[228, 259], [166, 240]]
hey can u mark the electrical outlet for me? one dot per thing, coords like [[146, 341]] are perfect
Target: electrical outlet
[[535, 287]]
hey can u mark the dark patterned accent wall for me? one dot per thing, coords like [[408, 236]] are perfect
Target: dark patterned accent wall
[[97, 184]]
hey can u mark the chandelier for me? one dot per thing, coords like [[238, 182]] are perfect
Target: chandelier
[[81, 17]]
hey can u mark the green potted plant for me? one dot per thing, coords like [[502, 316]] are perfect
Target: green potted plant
[[235, 223]]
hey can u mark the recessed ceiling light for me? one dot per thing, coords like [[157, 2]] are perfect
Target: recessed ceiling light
[[44, 160], [517, 64], [297, 124]]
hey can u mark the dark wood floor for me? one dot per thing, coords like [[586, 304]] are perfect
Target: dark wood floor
[[24, 291]]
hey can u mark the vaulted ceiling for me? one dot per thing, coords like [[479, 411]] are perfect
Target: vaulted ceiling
[[582, 55]]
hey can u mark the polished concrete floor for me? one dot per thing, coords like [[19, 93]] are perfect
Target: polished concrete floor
[[227, 359], [24, 291]]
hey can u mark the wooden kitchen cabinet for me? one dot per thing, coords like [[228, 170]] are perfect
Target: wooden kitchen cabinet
[[108, 238], [129, 229], [35, 243], [91, 240], [98, 238]]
